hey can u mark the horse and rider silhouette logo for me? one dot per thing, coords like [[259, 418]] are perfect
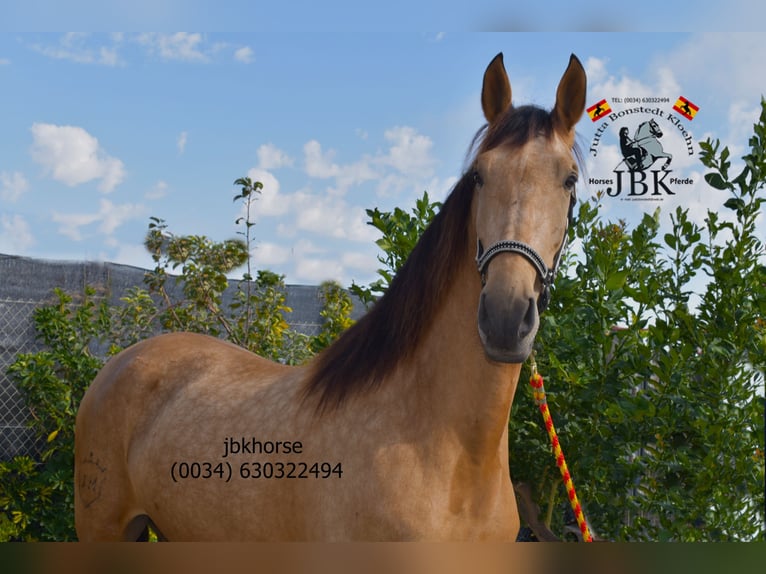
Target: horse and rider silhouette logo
[[641, 151]]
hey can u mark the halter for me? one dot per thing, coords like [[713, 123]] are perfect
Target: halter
[[547, 275]]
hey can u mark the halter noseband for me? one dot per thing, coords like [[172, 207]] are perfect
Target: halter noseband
[[547, 275]]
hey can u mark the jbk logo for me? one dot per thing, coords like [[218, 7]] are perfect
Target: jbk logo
[[644, 171]]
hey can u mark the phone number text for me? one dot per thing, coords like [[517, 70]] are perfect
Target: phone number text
[[225, 471]]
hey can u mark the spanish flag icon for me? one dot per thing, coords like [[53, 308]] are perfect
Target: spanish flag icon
[[686, 108], [598, 110]]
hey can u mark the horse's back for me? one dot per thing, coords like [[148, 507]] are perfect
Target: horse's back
[[137, 383], [164, 365]]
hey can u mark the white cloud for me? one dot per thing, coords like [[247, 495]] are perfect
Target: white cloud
[[267, 254], [5, 62], [321, 165], [600, 82], [244, 55], [332, 216], [271, 157], [323, 215], [364, 262], [612, 84], [110, 216], [82, 49], [410, 152], [313, 264], [408, 162], [308, 262], [85, 48], [269, 202], [13, 186], [109, 56], [317, 270], [183, 137], [666, 82], [15, 234], [72, 156], [181, 46], [192, 47], [70, 223], [159, 190], [114, 215], [595, 70], [306, 248], [318, 163]]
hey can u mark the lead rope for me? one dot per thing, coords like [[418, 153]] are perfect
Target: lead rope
[[536, 381]]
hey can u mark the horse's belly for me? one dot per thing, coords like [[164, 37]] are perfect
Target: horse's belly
[[243, 501]]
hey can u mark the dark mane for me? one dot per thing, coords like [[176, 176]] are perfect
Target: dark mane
[[369, 351]]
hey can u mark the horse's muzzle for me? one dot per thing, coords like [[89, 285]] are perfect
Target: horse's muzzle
[[507, 327]]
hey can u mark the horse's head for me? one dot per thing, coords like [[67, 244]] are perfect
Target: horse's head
[[654, 128], [525, 173]]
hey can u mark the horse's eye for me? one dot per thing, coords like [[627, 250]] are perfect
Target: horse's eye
[[570, 182], [477, 180]]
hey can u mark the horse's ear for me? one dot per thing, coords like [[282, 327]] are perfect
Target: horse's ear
[[570, 97], [496, 91]]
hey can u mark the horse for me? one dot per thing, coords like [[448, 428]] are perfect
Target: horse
[[396, 432], [646, 139]]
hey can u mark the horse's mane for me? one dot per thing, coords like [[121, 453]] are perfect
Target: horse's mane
[[370, 350]]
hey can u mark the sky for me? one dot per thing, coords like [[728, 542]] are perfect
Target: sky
[[101, 131]]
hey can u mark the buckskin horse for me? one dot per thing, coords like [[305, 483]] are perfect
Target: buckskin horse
[[397, 431]]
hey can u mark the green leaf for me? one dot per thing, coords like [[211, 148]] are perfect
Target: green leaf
[[617, 280], [715, 180], [670, 239], [734, 203]]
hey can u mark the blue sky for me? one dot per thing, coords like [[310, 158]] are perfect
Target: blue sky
[[100, 131]]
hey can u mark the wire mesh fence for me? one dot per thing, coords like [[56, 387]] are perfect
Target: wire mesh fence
[[17, 335]]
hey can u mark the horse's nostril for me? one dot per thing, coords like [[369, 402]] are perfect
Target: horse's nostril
[[528, 324]]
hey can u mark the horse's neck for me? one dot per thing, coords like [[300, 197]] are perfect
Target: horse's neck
[[464, 391]]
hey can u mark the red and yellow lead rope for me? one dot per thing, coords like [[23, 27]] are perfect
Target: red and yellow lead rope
[[536, 381]]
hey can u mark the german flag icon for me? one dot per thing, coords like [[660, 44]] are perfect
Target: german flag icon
[[598, 110], [686, 108]]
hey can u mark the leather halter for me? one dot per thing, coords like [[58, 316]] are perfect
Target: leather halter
[[547, 275]]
